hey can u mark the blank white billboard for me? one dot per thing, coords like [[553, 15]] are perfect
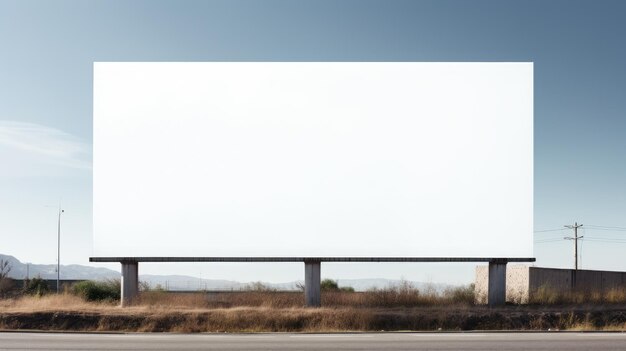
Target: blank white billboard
[[313, 159]]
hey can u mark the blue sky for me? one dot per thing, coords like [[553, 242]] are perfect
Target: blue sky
[[47, 49]]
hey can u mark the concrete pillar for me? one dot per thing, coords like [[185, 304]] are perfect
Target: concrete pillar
[[496, 295], [312, 284], [130, 282]]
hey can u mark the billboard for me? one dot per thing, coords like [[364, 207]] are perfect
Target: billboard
[[313, 159]]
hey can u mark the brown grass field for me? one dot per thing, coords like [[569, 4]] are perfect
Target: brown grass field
[[392, 309]]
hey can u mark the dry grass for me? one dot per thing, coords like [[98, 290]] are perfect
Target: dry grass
[[395, 308], [587, 326], [168, 300], [549, 296], [52, 302], [402, 295]]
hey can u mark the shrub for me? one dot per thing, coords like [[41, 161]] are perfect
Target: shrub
[[461, 294], [157, 288], [5, 269], [6, 285], [98, 290], [36, 286], [145, 286], [402, 294], [258, 286], [329, 285], [332, 285]]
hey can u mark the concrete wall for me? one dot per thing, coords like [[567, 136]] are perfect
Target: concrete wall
[[613, 280], [522, 281], [517, 283], [576, 281], [550, 278]]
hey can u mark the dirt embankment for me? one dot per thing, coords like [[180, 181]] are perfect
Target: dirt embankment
[[283, 312], [323, 319]]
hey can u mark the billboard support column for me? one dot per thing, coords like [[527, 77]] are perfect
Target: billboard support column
[[130, 282], [496, 295], [312, 283]]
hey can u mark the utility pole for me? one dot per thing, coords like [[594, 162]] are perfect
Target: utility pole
[[59, 250], [575, 239]]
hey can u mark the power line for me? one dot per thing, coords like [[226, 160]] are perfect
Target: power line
[[575, 238], [552, 240], [549, 230], [606, 226], [591, 238], [549, 238], [608, 230], [606, 240]]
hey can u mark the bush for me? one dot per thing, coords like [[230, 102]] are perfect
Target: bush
[[329, 285], [258, 286], [6, 285], [332, 285], [403, 294], [461, 295], [108, 290], [5, 281], [36, 286], [145, 286]]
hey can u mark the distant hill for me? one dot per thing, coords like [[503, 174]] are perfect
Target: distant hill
[[184, 282], [49, 271]]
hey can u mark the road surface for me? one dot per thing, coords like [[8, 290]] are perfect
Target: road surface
[[376, 341]]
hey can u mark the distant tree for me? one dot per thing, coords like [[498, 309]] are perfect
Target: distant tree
[[329, 285], [5, 268], [258, 286], [5, 281], [145, 286]]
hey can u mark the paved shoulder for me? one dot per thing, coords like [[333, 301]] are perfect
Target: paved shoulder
[[342, 341]]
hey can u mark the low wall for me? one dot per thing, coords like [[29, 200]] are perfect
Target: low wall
[[522, 281]]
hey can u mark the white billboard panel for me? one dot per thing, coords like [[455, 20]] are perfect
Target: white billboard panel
[[313, 159]]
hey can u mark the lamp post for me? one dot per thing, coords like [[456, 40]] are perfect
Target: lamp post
[[59, 250]]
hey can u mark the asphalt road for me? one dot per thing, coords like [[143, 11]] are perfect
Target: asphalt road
[[383, 341]]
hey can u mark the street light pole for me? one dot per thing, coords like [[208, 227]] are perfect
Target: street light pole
[[59, 250]]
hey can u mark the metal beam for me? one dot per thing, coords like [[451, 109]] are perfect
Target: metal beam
[[304, 259]]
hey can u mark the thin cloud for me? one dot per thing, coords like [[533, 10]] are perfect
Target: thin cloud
[[53, 145]]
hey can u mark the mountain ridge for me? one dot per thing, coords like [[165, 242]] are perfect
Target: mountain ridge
[[186, 282]]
